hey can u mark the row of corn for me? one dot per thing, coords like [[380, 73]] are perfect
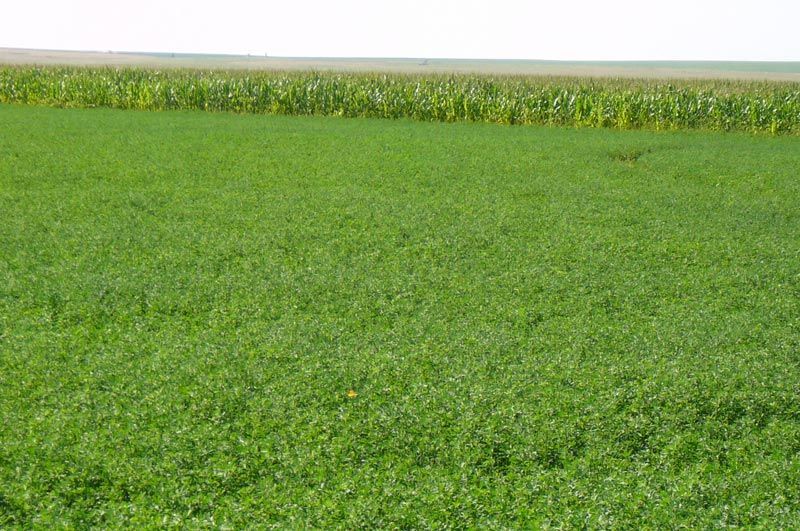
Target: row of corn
[[772, 107]]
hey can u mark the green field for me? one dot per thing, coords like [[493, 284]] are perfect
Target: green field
[[209, 319], [718, 105]]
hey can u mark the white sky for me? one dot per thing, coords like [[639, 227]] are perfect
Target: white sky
[[511, 29]]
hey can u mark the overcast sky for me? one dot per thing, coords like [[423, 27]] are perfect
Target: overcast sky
[[497, 29]]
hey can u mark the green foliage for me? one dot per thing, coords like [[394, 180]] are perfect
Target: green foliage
[[771, 107], [537, 333]]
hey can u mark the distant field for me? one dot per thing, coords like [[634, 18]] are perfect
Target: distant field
[[779, 71], [210, 319]]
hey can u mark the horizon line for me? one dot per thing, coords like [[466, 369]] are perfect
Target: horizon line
[[266, 55]]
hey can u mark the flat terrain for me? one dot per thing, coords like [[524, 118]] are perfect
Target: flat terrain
[[216, 319], [778, 71]]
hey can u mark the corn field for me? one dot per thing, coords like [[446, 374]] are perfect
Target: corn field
[[771, 107]]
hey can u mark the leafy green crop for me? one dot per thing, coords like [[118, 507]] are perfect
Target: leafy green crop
[[218, 320], [771, 107]]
